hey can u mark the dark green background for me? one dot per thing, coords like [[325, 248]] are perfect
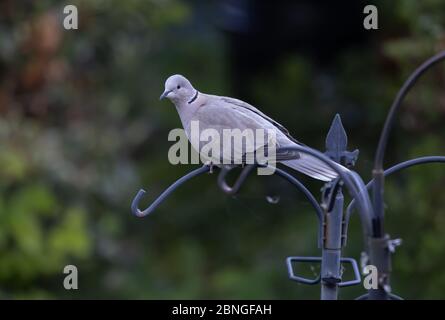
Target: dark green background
[[82, 129]]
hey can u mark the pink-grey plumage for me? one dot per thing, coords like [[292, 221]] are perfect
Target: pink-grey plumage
[[218, 113]]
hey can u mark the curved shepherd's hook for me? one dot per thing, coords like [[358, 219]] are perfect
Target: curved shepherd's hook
[[283, 174], [383, 141], [309, 196], [353, 182], [239, 181], [396, 168], [248, 169], [142, 213]]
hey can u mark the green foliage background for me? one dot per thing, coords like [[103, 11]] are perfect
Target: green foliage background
[[81, 130]]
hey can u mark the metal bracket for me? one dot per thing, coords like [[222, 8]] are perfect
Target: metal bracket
[[380, 255], [329, 193], [301, 279]]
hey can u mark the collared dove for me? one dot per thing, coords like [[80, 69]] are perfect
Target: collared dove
[[219, 113]]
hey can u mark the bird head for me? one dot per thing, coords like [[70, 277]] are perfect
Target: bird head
[[178, 89]]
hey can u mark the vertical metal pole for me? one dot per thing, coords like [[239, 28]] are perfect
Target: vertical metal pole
[[331, 250], [380, 257], [379, 254], [379, 247], [336, 144]]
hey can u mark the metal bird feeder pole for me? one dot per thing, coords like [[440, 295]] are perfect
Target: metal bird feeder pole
[[333, 222], [380, 246], [333, 203], [331, 249], [329, 213]]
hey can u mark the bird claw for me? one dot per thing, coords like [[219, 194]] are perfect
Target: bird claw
[[210, 165]]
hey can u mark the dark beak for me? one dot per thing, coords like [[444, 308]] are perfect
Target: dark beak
[[164, 94]]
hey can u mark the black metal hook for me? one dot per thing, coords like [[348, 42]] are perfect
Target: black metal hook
[[142, 213], [352, 181], [309, 196], [378, 173], [239, 181], [396, 168], [279, 172], [248, 169], [409, 83]]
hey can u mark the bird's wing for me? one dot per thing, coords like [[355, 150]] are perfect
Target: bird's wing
[[245, 105], [218, 114], [304, 163], [225, 112]]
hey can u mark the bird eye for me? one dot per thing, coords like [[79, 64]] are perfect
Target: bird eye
[[178, 87]]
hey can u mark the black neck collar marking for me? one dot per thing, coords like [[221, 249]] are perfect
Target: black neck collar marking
[[194, 97]]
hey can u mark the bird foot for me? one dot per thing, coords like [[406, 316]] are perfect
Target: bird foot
[[210, 165]]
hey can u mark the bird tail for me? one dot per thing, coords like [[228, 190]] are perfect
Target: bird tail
[[313, 167]]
